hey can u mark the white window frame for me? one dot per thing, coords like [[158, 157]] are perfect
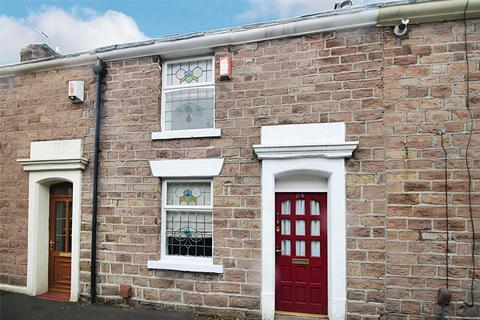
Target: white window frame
[[183, 263], [188, 133]]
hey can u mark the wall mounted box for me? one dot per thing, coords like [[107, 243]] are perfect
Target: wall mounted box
[[76, 91]]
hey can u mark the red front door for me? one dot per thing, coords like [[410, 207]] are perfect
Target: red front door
[[301, 252]]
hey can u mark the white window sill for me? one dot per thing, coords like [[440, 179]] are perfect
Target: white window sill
[[191, 266], [185, 134]]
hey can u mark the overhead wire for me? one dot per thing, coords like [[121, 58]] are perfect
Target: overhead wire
[[467, 160]]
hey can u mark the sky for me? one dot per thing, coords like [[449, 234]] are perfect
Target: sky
[[81, 25]]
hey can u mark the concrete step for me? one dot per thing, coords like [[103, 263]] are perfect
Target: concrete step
[[298, 316]]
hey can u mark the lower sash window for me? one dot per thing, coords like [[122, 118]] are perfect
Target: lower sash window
[[188, 218]]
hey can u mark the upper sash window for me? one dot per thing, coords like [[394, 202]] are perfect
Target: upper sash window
[[188, 95]]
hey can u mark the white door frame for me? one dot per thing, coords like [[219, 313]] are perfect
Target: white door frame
[[52, 162], [324, 159], [38, 229]]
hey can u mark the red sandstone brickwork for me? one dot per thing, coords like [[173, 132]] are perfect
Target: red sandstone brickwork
[[33, 107], [424, 91], [391, 93]]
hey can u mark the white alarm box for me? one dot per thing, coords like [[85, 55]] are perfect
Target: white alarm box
[[76, 91]]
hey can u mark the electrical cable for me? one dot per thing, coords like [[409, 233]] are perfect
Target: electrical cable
[[442, 132], [467, 162], [382, 39]]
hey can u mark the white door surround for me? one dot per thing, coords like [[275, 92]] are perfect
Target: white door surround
[[296, 151], [51, 162]]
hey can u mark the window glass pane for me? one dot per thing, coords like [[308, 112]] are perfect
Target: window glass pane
[[189, 193], [285, 247], [314, 208], [190, 72], [70, 227], [60, 217], [300, 207], [300, 227], [61, 189], [300, 248], [315, 247], [189, 233], [285, 227], [286, 207], [189, 109], [315, 228]]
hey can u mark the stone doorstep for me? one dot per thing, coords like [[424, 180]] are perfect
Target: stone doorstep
[[279, 315]]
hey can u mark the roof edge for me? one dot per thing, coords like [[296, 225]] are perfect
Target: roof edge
[[429, 12], [348, 20]]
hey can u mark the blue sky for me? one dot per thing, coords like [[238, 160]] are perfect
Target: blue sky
[[75, 26], [155, 18]]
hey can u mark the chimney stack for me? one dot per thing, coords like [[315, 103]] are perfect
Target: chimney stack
[[37, 51]]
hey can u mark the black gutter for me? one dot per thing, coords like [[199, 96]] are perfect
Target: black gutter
[[99, 69]]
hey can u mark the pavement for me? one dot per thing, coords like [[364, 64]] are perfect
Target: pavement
[[15, 306]]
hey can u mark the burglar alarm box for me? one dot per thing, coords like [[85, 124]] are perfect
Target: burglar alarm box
[[76, 91], [225, 68]]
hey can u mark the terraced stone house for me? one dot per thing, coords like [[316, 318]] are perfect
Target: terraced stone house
[[327, 164]]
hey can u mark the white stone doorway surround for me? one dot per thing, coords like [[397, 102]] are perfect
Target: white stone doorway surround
[[51, 162], [308, 158]]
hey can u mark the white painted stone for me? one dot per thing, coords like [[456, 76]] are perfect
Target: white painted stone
[[191, 265], [185, 134], [313, 140], [57, 149], [16, 289], [315, 170], [52, 162], [300, 182], [188, 168], [303, 134]]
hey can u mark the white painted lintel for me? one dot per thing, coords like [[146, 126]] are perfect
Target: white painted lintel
[[185, 134], [191, 168]]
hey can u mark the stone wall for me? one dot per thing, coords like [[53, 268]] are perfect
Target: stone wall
[[425, 92], [34, 107]]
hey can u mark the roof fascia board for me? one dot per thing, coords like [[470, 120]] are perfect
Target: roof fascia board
[[429, 12], [349, 20]]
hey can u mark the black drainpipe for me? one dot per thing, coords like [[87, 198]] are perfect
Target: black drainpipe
[[99, 69]]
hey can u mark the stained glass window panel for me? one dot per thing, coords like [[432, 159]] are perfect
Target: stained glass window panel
[[189, 109], [189, 194], [190, 72], [189, 233]]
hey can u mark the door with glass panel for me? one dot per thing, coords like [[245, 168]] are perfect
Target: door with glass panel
[[60, 238], [301, 252]]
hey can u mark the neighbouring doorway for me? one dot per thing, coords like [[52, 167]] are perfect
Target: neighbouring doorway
[[60, 238], [301, 253]]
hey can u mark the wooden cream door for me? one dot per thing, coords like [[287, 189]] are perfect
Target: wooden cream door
[[301, 252], [60, 243]]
